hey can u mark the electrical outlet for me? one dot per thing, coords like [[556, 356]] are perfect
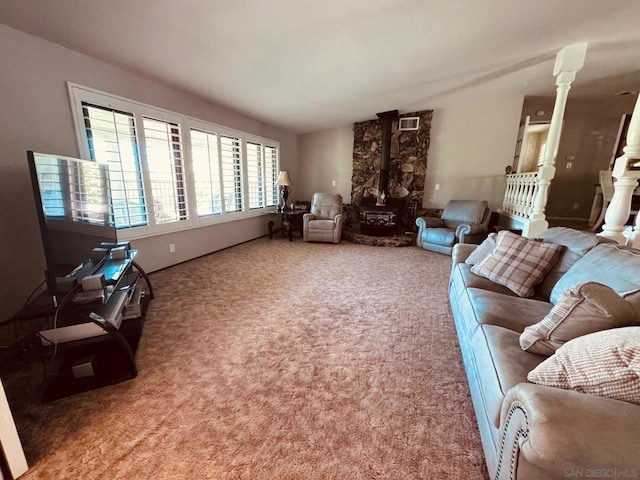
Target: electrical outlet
[[333, 183], [172, 248], [437, 186], [576, 206], [569, 165]]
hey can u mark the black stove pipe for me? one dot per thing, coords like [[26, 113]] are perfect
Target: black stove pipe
[[386, 120]]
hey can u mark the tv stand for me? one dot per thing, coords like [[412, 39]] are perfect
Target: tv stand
[[94, 344]]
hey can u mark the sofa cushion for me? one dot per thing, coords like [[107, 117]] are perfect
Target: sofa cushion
[[501, 365], [484, 249], [605, 363], [585, 308], [609, 264], [577, 244], [322, 224], [512, 312], [518, 263], [439, 236]]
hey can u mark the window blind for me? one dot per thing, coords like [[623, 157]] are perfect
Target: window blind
[[231, 167], [166, 173], [111, 137], [255, 175], [206, 173], [271, 175]]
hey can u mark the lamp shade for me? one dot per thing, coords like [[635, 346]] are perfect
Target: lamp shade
[[283, 179]]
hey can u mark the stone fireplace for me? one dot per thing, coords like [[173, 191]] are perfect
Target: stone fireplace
[[389, 168]]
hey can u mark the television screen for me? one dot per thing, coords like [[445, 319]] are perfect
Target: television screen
[[75, 215]]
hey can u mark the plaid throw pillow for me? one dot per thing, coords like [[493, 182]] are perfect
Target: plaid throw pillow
[[482, 250], [518, 263], [605, 363], [586, 308]]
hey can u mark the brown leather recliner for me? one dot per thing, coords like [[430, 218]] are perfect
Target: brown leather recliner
[[324, 223], [462, 221]]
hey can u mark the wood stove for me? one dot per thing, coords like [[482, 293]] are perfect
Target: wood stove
[[381, 220]]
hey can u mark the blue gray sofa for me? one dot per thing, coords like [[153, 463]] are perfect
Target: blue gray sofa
[[530, 431]]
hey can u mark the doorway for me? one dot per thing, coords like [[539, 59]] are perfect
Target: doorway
[[530, 146]]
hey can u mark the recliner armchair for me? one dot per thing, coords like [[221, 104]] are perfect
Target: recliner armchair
[[462, 221], [324, 223]]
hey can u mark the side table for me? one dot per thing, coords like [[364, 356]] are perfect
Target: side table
[[290, 221]]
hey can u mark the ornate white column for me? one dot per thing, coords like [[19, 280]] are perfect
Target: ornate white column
[[569, 62], [626, 174]]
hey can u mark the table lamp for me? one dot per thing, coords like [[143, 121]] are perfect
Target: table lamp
[[284, 182]]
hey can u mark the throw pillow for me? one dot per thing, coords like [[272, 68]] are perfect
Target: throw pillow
[[482, 250], [605, 363], [585, 308], [518, 263]]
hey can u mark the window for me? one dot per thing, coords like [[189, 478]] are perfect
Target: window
[[255, 174], [271, 174], [111, 139], [166, 176], [262, 173], [206, 173], [231, 173], [170, 172]]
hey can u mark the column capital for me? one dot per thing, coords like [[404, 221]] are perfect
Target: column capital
[[570, 59]]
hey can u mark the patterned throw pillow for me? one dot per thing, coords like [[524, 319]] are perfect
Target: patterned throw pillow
[[482, 250], [585, 308], [518, 263], [605, 363]]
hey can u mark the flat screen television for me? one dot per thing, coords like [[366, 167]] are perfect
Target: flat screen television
[[75, 213]]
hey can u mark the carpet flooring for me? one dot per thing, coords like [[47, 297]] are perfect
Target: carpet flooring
[[275, 360]]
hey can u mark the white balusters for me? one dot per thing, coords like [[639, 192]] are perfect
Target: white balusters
[[519, 194]]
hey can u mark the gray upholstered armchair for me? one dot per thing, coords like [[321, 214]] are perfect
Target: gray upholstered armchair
[[324, 223], [462, 221]]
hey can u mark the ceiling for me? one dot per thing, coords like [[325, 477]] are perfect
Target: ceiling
[[307, 65]]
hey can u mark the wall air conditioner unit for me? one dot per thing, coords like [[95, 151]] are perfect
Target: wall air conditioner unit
[[409, 123]]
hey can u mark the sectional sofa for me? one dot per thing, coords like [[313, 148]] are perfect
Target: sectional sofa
[[537, 429]]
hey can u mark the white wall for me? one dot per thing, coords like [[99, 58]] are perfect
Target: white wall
[[324, 157], [35, 114], [473, 137]]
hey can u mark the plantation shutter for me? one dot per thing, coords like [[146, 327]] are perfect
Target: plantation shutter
[[206, 172], [156, 185], [231, 167], [111, 137], [255, 175], [271, 175], [166, 171]]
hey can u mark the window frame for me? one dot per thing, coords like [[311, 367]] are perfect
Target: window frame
[[79, 94]]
